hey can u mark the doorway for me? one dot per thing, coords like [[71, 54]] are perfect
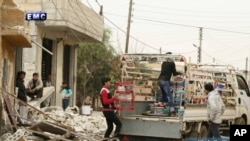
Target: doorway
[[46, 59], [66, 63]]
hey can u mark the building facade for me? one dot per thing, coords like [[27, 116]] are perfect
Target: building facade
[[55, 40], [14, 35]]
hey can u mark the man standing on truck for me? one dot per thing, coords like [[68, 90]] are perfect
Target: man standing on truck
[[167, 70], [109, 109], [215, 109]]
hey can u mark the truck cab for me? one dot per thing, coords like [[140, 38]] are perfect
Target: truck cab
[[188, 92]]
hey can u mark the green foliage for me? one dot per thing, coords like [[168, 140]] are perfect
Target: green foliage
[[96, 60]]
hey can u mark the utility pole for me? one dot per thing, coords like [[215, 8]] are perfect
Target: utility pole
[[128, 27], [160, 50], [199, 48], [246, 71]]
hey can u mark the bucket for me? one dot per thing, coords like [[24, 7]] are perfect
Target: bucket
[[166, 111], [86, 110]]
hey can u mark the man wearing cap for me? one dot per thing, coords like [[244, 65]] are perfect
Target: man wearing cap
[[215, 109]]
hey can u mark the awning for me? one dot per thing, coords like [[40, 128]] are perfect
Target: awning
[[16, 38], [41, 46]]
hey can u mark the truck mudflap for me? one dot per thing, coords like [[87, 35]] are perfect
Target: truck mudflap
[[152, 127]]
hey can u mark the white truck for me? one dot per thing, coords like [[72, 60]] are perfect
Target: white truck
[[144, 69]]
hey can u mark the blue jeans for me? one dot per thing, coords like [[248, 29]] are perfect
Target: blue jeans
[[166, 93], [213, 130]]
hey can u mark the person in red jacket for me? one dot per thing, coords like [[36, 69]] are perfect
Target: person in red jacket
[[109, 109]]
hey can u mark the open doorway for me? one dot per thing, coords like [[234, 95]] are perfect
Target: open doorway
[[46, 59]]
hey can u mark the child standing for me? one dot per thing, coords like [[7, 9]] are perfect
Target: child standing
[[66, 92]]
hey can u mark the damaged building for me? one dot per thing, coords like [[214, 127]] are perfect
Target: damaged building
[[55, 40], [48, 47]]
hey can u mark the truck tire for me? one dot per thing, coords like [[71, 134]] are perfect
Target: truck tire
[[202, 134], [240, 121]]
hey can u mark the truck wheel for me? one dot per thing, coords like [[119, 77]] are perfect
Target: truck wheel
[[240, 121], [202, 134], [193, 135]]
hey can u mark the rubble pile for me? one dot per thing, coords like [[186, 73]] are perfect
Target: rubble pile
[[83, 127]]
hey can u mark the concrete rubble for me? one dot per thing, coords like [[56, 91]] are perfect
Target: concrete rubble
[[82, 127]]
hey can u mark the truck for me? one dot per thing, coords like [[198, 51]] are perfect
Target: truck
[[144, 123]]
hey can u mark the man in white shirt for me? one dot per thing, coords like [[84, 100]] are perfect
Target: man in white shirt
[[35, 87], [215, 109]]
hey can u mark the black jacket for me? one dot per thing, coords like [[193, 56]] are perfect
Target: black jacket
[[21, 90], [167, 69]]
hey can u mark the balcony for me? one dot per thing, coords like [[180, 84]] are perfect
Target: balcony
[[73, 17], [13, 30]]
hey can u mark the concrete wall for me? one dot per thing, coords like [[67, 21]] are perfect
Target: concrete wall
[[7, 66], [7, 49], [32, 56], [75, 15]]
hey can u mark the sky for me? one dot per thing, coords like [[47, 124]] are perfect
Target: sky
[[173, 26]]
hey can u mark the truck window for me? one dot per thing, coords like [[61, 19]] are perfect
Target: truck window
[[242, 85]]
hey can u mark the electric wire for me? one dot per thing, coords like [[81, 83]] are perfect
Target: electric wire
[[188, 10], [77, 37], [129, 35], [91, 24], [191, 26], [122, 29], [164, 22], [189, 15]]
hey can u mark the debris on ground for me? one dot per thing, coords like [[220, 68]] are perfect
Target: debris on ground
[[70, 125]]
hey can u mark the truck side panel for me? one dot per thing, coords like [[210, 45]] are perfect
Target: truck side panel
[[149, 128]]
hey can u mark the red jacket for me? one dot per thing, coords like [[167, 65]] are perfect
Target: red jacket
[[107, 99]]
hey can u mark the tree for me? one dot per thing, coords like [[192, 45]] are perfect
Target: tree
[[96, 60]]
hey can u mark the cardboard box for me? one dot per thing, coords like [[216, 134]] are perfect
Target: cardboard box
[[146, 90]]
